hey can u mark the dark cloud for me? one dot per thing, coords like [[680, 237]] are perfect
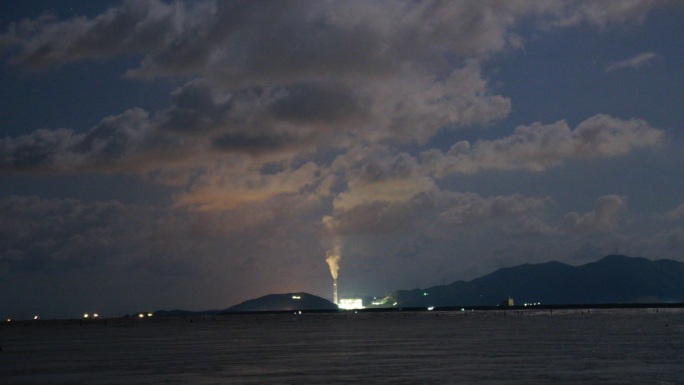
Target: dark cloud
[[426, 212], [378, 217], [316, 103], [467, 209], [115, 143], [58, 234], [252, 144]]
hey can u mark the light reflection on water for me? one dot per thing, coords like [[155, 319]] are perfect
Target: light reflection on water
[[627, 346]]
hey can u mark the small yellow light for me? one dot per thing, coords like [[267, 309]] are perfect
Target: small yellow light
[[95, 315], [35, 317], [85, 315], [141, 315], [150, 314]]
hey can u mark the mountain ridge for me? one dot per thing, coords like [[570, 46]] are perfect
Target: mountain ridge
[[612, 279]]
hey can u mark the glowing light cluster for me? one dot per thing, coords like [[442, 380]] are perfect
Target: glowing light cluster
[[350, 303]]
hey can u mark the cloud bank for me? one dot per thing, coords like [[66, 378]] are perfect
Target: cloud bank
[[295, 125]]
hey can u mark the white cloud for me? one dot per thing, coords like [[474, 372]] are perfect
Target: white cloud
[[676, 213], [635, 62], [600, 13], [226, 38], [330, 74], [538, 147], [675, 239], [605, 217]]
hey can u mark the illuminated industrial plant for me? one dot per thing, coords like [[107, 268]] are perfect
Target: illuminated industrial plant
[[350, 303]]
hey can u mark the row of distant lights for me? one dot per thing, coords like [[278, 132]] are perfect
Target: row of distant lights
[[93, 316], [35, 317], [85, 315], [532, 304]]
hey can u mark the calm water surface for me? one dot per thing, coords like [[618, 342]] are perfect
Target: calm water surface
[[636, 346]]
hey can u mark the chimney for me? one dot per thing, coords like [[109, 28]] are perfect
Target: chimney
[[335, 291]]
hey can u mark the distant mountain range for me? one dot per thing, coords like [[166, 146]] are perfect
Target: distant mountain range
[[615, 279]]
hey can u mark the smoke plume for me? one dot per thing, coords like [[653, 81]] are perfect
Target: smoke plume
[[333, 259]]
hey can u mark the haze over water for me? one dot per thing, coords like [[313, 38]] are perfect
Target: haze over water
[[621, 346]]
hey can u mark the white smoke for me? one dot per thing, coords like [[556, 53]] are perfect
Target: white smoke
[[333, 259]]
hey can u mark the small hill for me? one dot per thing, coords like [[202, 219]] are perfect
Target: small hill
[[615, 279], [284, 302]]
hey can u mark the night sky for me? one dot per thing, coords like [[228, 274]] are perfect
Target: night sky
[[193, 155]]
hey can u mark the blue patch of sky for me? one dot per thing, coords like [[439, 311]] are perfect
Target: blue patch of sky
[[14, 10], [76, 95], [562, 74]]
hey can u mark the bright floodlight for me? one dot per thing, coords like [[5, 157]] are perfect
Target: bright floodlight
[[350, 303], [95, 315], [35, 317], [141, 315]]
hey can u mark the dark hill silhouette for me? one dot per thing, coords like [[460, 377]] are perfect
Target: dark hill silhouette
[[615, 279], [282, 302]]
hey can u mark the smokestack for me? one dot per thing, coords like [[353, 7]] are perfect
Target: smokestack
[[335, 291], [333, 259]]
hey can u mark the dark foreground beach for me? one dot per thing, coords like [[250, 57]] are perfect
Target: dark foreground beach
[[606, 346]]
